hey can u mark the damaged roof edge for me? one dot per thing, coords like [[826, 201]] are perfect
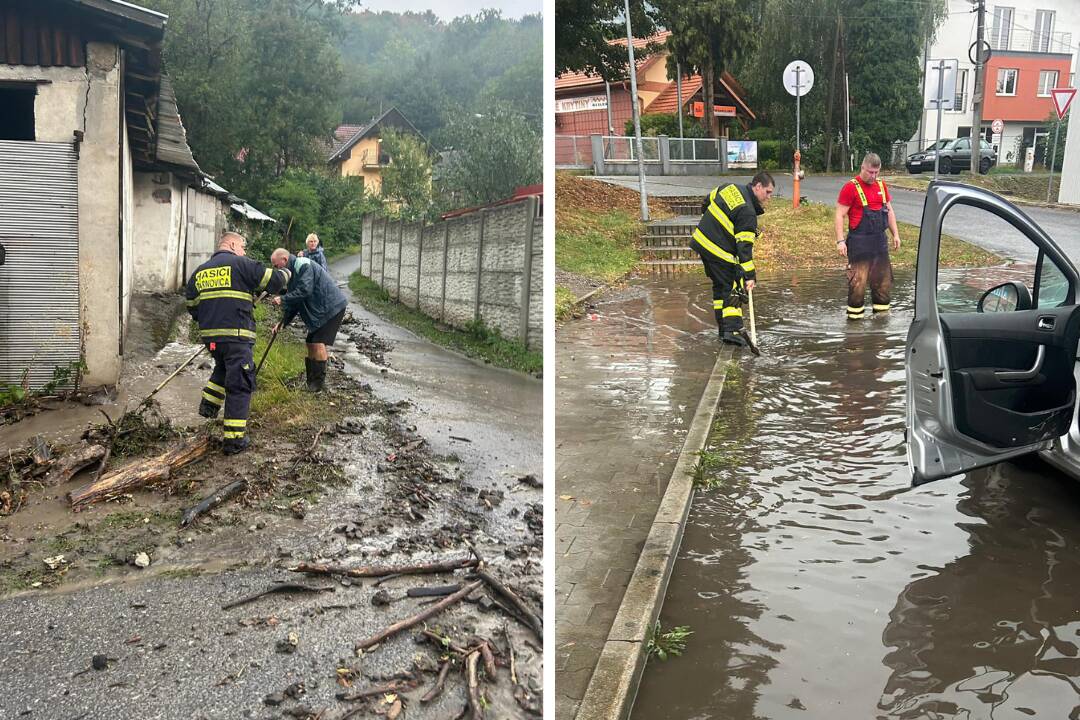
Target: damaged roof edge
[[127, 11], [172, 146]]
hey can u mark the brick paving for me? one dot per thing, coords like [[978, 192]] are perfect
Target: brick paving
[[628, 382]]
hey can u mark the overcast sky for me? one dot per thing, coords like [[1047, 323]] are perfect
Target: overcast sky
[[450, 9]]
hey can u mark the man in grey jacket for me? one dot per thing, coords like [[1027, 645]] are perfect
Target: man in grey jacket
[[314, 296]]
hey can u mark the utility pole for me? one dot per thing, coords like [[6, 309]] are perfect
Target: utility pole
[[980, 87], [678, 91], [637, 115], [922, 113]]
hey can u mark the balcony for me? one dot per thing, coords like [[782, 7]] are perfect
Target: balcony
[[1030, 41], [372, 160]]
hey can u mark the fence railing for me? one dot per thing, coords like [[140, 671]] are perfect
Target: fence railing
[[573, 151], [1029, 40], [694, 149], [618, 148]]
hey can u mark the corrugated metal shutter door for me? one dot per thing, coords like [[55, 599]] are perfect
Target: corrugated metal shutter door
[[39, 284]]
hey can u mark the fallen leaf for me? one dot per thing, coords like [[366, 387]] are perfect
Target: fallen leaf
[[566, 497]]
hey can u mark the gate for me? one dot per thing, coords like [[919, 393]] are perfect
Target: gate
[[39, 283]]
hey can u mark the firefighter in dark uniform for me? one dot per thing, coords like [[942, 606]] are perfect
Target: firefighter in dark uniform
[[725, 241], [221, 297], [865, 202]]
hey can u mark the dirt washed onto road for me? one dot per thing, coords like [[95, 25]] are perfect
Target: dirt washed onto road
[[118, 611]]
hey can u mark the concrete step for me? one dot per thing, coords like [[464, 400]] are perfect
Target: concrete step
[[668, 267], [670, 229], [690, 208], [667, 253], [652, 241]]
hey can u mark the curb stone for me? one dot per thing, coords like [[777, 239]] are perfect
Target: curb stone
[[613, 687]]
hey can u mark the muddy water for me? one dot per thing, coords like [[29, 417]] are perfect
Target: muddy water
[[818, 584]]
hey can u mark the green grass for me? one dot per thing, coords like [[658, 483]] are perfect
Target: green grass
[[280, 388], [564, 302], [1007, 182], [477, 341], [598, 245]]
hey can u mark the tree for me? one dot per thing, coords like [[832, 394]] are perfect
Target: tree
[[708, 38], [406, 181], [583, 29], [493, 153]]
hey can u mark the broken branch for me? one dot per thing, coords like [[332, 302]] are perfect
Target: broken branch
[[384, 570], [279, 588], [475, 709], [142, 472], [419, 617], [212, 501], [533, 620], [437, 689]]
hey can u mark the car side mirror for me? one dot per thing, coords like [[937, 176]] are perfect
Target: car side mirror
[[1007, 297]]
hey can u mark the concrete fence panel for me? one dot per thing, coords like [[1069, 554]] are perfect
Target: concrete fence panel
[[409, 264], [392, 259], [378, 237], [462, 255], [432, 251], [506, 231], [534, 326]]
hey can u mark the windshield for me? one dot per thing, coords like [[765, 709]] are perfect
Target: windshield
[[940, 144]]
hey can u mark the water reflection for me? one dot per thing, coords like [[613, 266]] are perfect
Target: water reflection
[[789, 568]]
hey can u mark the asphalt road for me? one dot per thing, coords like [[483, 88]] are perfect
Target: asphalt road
[[975, 226]]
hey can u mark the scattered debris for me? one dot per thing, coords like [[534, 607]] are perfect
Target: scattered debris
[[142, 560], [141, 472], [380, 571], [417, 618], [532, 481], [211, 501], [289, 644], [279, 588]]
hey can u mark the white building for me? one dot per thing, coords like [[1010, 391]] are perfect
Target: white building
[[1033, 44]]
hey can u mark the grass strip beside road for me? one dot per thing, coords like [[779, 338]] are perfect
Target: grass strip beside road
[[478, 341], [806, 238], [1018, 187]]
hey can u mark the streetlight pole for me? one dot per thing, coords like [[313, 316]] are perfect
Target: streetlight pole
[[637, 115]]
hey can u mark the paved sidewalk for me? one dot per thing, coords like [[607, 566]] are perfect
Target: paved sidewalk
[[628, 384]]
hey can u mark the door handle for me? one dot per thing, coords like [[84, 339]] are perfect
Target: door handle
[[1023, 375], [1046, 322]]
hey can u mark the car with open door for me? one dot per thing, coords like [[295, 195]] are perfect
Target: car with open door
[[992, 370]]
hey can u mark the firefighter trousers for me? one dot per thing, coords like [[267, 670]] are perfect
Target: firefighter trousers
[[727, 300], [875, 271], [231, 384]]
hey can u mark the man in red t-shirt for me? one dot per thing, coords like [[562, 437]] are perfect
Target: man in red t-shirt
[[865, 202]]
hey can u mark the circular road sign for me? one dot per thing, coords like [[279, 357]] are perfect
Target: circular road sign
[[997, 126], [798, 72]]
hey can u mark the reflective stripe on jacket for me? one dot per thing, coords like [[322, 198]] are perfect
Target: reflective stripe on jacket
[[728, 226]]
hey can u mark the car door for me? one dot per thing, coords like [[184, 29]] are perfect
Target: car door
[[962, 154], [995, 380]]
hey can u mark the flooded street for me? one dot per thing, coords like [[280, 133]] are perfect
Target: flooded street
[[819, 584]]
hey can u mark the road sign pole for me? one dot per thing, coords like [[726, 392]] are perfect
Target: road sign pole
[[1053, 159], [637, 117], [798, 138]]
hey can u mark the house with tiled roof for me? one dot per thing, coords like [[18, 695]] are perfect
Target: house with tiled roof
[[357, 149], [581, 99]]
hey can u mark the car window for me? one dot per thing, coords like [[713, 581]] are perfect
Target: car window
[[959, 284], [986, 145], [963, 144], [1053, 285]]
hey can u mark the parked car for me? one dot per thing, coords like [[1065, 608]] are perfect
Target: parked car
[[953, 155], [995, 380]]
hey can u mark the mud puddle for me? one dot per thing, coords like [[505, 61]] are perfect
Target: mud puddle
[[818, 584]]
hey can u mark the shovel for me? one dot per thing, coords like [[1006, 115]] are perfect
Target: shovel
[[752, 338], [266, 352]]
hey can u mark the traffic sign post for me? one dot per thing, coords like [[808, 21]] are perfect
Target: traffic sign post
[[798, 79], [1063, 98], [943, 95]]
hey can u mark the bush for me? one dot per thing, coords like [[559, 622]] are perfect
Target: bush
[[666, 124]]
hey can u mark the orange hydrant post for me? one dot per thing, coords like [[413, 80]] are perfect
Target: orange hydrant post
[[795, 195]]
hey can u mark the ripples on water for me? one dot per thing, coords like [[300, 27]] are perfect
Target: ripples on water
[[819, 584]]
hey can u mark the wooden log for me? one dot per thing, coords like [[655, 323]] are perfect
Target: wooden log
[[384, 570], [418, 617], [141, 472], [72, 461], [476, 710], [532, 618], [212, 501]]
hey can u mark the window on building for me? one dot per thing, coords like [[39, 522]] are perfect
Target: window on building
[[960, 101], [17, 112], [1044, 24], [1001, 29], [1006, 81], [1047, 81]]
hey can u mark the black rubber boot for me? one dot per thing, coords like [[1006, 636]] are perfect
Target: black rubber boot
[[310, 370], [231, 446], [319, 366], [208, 409], [732, 338]]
